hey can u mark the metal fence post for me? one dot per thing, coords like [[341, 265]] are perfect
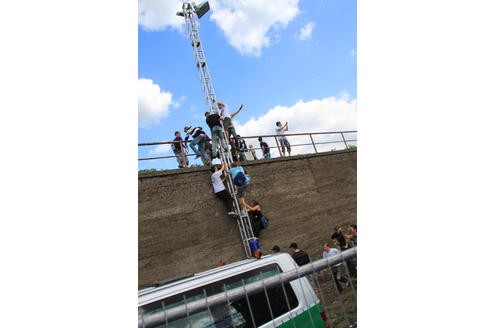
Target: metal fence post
[[343, 138], [313, 142]]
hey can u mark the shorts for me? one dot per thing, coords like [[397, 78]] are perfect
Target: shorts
[[241, 191]]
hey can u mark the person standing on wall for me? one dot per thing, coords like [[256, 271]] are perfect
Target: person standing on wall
[[179, 150], [280, 129], [264, 148]]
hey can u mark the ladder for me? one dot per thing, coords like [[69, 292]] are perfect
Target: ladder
[[249, 242]]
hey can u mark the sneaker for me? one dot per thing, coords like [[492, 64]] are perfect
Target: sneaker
[[232, 213]]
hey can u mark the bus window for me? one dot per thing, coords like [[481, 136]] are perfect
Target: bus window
[[236, 314]]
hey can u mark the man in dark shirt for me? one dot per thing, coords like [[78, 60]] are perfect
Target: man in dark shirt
[[301, 257], [242, 148], [213, 121], [178, 149], [339, 236], [264, 148]]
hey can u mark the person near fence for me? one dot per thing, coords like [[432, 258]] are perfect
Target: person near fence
[[336, 268], [339, 236], [233, 150], [280, 130], [253, 152], [256, 217], [214, 122], [351, 237], [340, 240], [219, 188], [179, 150], [352, 242], [242, 148], [199, 140], [300, 256], [265, 149]]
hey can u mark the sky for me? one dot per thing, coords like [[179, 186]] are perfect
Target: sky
[[284, 60]]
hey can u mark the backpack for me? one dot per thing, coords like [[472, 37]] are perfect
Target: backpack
[[240, 179], [264, 221]]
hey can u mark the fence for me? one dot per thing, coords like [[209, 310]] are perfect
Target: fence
[[300, 143], [338, 303]]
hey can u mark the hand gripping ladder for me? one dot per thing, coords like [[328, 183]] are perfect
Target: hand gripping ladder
[[249, 242]]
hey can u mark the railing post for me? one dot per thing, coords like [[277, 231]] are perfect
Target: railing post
[[345, 143], [278, 147], [313, 142]]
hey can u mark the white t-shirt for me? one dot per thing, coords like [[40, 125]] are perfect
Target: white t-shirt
[[331, 252], [224, 111], [280, 133], [216, 181]]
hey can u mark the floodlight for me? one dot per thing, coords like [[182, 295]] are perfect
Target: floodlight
[[202, 9]]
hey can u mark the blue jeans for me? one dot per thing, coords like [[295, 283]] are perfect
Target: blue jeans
[[200, 151], [267, 155], [216, 136], [232, 132]]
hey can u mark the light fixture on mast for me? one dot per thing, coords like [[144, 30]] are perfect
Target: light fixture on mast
[[200, 9]]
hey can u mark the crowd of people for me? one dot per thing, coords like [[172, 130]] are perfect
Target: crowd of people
[[206, 146], [339, 241]]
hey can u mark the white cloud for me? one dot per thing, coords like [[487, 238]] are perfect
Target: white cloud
[[155, 15], [161, 150], [332, 114], [352, 53], [153, 104], [306, 31], [246, 24]]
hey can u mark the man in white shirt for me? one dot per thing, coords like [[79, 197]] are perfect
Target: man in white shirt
[[336, 269], [219, 188], [228, 125], [279, 130]]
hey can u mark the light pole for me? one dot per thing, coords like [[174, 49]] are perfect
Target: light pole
[[189, 10]]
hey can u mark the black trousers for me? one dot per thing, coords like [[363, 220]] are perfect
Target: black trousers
[[225, 196]]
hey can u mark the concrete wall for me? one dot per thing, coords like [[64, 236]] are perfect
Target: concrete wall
[[184, 228]]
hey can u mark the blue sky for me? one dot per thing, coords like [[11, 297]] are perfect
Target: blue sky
[[285, 60]]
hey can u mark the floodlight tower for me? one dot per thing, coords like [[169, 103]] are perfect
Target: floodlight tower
[[189, 10]]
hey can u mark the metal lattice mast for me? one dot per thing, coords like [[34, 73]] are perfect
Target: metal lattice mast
[[189, 10]]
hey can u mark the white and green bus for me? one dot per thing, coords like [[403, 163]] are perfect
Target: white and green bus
[[291, 304]]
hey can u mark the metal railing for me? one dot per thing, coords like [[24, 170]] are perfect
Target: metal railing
[[339, 306], [300, 143]]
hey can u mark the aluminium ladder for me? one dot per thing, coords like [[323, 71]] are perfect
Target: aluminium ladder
[[243, 221]]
